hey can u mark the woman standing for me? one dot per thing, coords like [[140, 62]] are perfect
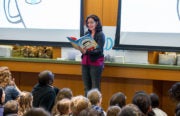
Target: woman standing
[[93, 60]]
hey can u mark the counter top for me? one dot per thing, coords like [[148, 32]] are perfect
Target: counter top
[[43, 60]]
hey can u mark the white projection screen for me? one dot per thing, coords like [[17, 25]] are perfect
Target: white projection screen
[[40, 22], [148, 25]]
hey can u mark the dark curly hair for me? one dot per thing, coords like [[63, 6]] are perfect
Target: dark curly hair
[[97, 20], [174, 92]]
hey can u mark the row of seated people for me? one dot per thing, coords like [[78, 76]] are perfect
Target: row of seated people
[[47, 100]]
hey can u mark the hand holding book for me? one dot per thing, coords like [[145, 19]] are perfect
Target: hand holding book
[[83, 43]]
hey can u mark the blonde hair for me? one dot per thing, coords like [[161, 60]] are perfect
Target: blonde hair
[[25, 102], [78, 104], [63, 106], [5, 76], [94, 96]]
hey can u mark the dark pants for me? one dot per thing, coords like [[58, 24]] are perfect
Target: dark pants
[[91, 76]]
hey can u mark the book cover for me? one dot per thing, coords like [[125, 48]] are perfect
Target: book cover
[[85, 42]]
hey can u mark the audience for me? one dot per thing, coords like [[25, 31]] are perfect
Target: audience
[[25, 102], [44, 93], [131, 110], [118, 99], [155, 105], [95, 97], [7, 82], [37, 112], [113, 111], [11, 108], [79, 103], [45, 96]]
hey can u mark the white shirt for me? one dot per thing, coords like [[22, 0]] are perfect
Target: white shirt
[[159, 112]]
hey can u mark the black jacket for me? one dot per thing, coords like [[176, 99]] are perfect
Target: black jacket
[[43, 96]]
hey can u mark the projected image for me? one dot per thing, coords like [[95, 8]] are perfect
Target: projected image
[[150, 22], [40, 14]]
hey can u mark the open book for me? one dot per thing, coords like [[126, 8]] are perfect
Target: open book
[[85, 42]]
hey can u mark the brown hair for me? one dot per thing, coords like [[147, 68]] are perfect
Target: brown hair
[[113, 111], [63, 106], [25, 102], [94, 96]]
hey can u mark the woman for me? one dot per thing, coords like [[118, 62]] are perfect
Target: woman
[[93, 60]]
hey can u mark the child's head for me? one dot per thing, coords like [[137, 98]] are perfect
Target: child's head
[[5, 76], [78, 104], [113, 111], [64, 93], [25, 101], [94, 96], [118, 99], [11, 107], [154, 100], [63, 106], [131, 110], [142, 100]]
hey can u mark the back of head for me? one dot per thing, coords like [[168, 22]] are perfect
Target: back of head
[[94, 96], [143, 101], [63, 106], [90, 112], [118, 99], [113, 111], [5, 76], [64, 93], [11, 107], [78, 104], [25, 101], [130, 110], [154, 100], [174, 91], [46, 77], [37, 112]]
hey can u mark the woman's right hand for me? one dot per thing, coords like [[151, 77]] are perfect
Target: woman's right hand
[[83, 51]]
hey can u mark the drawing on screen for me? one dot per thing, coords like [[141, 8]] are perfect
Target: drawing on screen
[[13, 14], [178, 10]]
